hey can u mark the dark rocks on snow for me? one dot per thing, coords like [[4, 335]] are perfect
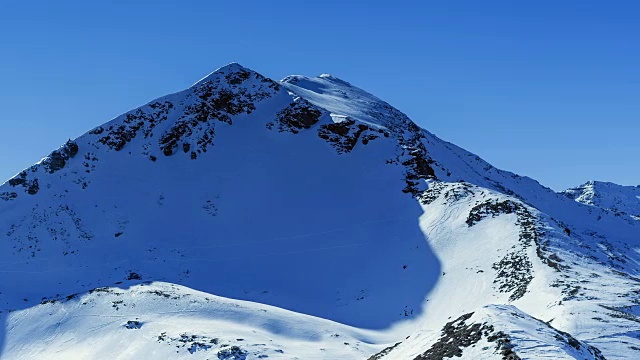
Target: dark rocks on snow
[[516, 264], [58, 158], [384, 352], [513, 274], [232, 353], [566, 338], [490, 208], [133, 324], [503, 345], [61, 223], [514, 270], [299, 115], [97, 131], [193, 343], [452, 192], [7, 196], [415, 158], [139, 121], [238, 77], [456, 335], [195, 346], [344, 136], [217, 101], [169, 139], [19, 179], [418, 167], [30, 185]]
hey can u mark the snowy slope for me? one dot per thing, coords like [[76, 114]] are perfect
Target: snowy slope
[[163, 321], [623, 200], [502, 331], [310, 220]]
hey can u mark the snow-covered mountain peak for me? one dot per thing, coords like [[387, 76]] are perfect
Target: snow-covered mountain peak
[[341, 227], [343, 100], [619, 199], [228, 69]]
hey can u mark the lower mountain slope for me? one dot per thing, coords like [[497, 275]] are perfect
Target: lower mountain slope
[[163, 321]]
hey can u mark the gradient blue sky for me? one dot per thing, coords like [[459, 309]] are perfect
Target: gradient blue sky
[[547, 89]]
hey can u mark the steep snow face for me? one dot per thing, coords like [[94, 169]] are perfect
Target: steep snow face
[[623, 200], [245, 218], [345, 101]]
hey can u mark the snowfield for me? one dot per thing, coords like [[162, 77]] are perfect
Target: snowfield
[[246, 218]]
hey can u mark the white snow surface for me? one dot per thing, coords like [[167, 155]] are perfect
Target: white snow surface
[[245, 218]]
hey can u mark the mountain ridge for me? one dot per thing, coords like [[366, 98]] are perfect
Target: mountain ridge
[[619, 199]]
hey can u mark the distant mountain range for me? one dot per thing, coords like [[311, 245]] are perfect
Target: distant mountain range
[[621, 200]]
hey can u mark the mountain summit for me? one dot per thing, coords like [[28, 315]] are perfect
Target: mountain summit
[[621, 200], [247, 218], [230, 68]]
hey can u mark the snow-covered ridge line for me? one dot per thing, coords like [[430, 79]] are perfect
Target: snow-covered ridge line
[[619, 199]]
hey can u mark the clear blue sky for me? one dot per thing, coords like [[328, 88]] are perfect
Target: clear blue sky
[[548, 89]]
